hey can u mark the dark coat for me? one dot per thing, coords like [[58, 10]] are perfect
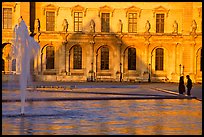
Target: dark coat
[[189, 84], [181, 88]]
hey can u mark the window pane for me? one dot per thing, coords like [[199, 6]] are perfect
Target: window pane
[[131, 59], [50, 57], [132, 22], [159, 59], [50, 21], [3, 65], [159, 23], [7, 18], [78, 21], [104, 58], [77, 61], [105, 22]]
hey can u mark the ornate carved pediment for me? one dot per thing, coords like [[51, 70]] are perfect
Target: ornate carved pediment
[[51, 7], [9, 5], [160, 9], [200, 12], [78, 8], [105, 9], [133, 9]]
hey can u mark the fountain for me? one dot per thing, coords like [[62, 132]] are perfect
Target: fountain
[[24, 49]]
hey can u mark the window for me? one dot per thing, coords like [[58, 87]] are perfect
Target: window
[[77, 21], [7, 18], [131, 59], [159, 59], [159, 23], [132, 22], [77, 57], [104, 58], [14, 65], [50, 21], [105, 21], [3, 65], [50, 57]]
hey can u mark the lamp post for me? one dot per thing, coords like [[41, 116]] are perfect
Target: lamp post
[[149, 79], [183, 70], [120, 72], [180, 69]]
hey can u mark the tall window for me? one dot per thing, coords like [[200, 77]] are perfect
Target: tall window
[[78, 21], [131, 59], [132, 22], [3, 65], [50, 21], [159, 59], [7, 18], [105, 22], [50, 56], [14, 65], [104, 58], [159, 23], [77, 61]]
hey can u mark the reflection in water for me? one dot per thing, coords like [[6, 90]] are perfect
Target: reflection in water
[[148, 117]]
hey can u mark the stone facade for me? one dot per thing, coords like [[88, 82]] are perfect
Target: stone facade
[[181, 43]]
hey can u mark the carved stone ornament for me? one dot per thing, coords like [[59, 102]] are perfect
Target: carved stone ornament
[[51, 7], [78, 8], [133, 9], [106, 9], [160, 9]]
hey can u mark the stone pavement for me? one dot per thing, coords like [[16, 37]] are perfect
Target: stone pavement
[[51, 91]]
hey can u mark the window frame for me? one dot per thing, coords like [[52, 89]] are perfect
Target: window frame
[[50, 58], [159, 59], [160, 22], [105, 25], [133, 24], [78, 22], [8, 24], [105, 58], [132, 58], [77, 57], [49, 23]]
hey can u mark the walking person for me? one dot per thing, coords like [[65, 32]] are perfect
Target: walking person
[[181, 85], [189, 85]]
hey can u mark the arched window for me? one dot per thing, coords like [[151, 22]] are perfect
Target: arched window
[[131, 59], [77, 61], [50, 56], [3, 63], [159, 60], [104, 58], [14, 65]]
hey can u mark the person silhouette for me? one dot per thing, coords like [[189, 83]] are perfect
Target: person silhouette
[[189, 85], [181, 85]]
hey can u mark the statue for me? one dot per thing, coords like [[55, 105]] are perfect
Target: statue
[[65, 25], [20, 19], [147, 26], [194, 27], [120, 26], [92, 26], [37, 25], [175, 27]]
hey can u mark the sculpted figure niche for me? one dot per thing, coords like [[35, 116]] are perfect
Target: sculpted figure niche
[[92, 26], [175, 27], [65, 25], [37, 25], [120, 26], [147, 27], [194, 27]]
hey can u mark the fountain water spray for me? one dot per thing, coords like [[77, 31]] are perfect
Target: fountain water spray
[[24, 49]]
